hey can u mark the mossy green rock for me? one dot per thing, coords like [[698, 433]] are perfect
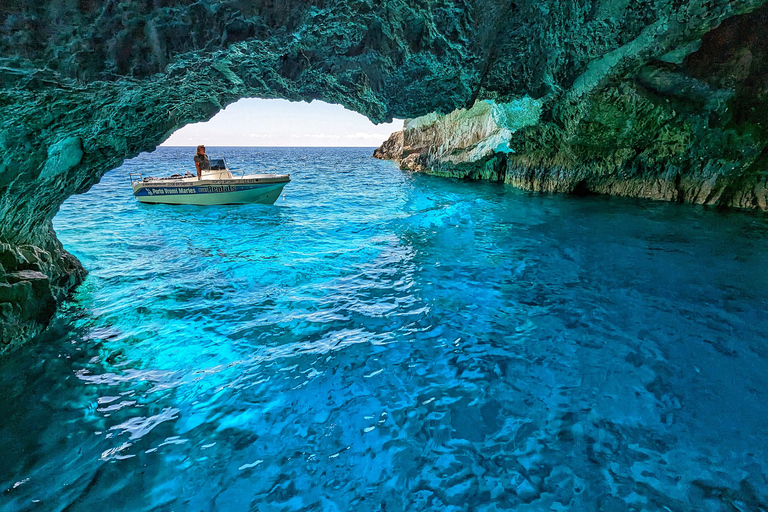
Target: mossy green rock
[[605, 94], [687, 125]]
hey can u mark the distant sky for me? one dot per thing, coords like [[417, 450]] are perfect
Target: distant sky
[[257, 122]]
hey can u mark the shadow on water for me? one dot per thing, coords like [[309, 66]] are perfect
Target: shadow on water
[[391, 341]]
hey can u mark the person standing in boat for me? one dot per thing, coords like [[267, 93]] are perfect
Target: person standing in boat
[[201, 162]]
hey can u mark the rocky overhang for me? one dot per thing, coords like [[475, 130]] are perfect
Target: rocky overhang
[[663, 99]]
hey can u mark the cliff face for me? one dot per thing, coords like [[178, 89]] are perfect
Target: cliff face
[[688, 125], [615, 86]]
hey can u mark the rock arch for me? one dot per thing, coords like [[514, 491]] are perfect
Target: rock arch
[[87, 84]]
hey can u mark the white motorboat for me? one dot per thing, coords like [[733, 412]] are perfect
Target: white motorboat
[[217, 186]]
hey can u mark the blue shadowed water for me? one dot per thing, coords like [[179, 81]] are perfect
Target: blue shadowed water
[[379, 340]]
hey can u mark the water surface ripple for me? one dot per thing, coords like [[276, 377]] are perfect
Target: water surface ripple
[[379, 340]]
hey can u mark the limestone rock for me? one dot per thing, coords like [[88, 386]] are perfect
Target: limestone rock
[[32, 282], [688, 125], [465, 143], [392, 148]]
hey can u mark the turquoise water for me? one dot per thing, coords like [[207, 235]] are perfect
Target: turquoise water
[[379, 340]]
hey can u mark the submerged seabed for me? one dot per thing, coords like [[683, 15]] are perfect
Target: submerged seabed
[[379, 340]]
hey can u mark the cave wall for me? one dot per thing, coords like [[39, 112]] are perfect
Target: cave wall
[[85, 84], [689, 125]]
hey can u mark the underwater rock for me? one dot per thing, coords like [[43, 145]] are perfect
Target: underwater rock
[[655, 99]]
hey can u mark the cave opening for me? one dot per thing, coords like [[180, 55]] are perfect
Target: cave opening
[[253, 135], [274, 123], [378, 336]]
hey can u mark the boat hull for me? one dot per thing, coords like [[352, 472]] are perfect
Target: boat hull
[[212, 192]]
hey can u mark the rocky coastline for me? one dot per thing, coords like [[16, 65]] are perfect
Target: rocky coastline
[[685, 127]]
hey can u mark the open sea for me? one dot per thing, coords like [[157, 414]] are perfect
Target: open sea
[[385, 341]]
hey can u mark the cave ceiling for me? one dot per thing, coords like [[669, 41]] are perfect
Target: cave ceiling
[[85, 84]]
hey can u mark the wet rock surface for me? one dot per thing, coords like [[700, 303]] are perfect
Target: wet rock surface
[[32, 282], [687, 125], [655, 99]]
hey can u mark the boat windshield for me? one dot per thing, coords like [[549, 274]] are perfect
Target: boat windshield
[[218, 164]]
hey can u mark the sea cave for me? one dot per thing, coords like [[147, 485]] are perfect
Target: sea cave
[[654, 104]]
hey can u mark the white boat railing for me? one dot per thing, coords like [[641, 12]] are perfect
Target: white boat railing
[[137, 177]]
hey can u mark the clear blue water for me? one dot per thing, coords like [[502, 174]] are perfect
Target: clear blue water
[[379, 340]]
